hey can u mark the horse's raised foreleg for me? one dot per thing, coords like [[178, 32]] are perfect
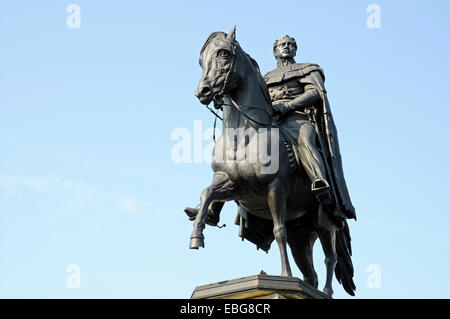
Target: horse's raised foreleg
[[328, 241], [221, 188], [277, 204]]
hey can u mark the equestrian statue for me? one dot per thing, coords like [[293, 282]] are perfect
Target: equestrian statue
[[278, 158]]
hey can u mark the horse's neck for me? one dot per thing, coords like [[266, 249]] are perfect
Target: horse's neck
[[251, 101]]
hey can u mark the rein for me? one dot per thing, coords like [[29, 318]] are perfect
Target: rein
[[218, 101], [243, 113]]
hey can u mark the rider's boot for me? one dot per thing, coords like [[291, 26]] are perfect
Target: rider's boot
[[321, 190]]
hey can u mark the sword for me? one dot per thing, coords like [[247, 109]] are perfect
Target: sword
[[311, 111]]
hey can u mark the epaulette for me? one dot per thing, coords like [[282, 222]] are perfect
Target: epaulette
[[291, 71]]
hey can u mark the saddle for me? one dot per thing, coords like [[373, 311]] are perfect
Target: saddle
[[292, 149]]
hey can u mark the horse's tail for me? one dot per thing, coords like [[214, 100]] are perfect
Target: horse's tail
[[344, 267]]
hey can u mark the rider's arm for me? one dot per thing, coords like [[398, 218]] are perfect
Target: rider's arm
[[310, 96]]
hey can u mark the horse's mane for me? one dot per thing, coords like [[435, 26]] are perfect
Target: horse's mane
[[261, 83], [213, 36]]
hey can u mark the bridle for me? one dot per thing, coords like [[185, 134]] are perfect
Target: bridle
[[218, 97]]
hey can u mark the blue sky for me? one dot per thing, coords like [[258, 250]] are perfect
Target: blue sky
[[86, 173]]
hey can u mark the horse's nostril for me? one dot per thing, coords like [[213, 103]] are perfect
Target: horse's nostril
[[206, 91]]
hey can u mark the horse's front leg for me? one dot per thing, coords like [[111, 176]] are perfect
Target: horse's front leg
[[277, 204], [221, 188]]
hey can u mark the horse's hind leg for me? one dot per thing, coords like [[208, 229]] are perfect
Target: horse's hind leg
[[301, 240], [277, 204], [221, 188], [328, 240]]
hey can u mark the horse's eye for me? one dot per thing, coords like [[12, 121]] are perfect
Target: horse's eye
[[222, 54]]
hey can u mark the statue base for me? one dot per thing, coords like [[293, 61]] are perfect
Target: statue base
[[259, 287]]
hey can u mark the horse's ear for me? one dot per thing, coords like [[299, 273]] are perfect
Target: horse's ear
[[232, 35]]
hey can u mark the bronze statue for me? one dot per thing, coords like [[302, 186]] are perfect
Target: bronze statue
[[305, 198]]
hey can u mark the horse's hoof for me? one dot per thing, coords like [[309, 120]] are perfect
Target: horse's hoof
[[328, 291], [196, 243]]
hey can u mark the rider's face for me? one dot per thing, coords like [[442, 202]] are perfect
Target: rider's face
[[285, 49]]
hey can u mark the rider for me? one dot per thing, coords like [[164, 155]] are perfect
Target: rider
[[292, 90], [298, 95], [299, 98]]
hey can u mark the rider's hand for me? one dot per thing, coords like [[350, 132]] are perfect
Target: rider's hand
[[280, 108]]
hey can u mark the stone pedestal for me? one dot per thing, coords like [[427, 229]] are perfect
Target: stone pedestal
[[259, 287]]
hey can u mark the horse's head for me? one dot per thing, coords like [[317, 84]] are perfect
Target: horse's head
[[222, 64]]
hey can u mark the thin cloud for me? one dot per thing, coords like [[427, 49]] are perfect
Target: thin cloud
[[76, 193]]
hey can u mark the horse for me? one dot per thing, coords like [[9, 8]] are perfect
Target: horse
[[266, 186]]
